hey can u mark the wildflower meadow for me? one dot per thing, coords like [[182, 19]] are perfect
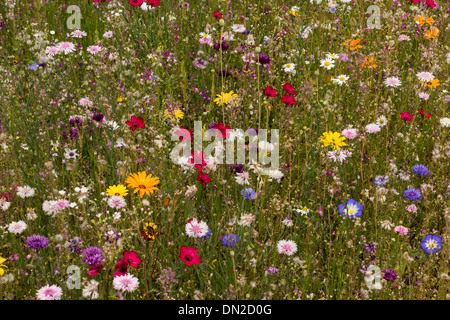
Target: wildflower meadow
[[224, 150]]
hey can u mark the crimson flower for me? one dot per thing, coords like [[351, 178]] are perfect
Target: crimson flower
[[288, 100], [184, 133], [136, 3], [270, 92], [121, 268], [422, 112], [195, 157], [132, 258], [406, 116], [217, 15], [189, 256], [289, 88], [431, 3], [6, 196], [99, 0], [95, 268], [203, 178], [135, 123], [153, 3], [223, 129], [414, 1]]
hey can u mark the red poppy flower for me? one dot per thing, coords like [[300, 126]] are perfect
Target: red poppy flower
[[406, 116], [132, 258], [223, 129], [289, 88], [6, 196], [135, 123], [414, 1], [153, 3], [270, 92], [121, 268], [288, 100], [189, 256], [217, 15], [195, 158], [203, 178], [136, 3], [184, 133], [422, 112], [95, 268]]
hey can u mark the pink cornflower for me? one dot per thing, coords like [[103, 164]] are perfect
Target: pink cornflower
[[49, 293], [116, 202], [85, 102], [66, 47], [61, 205], [411, 208], [401, 230], [392, 82], [126, 282], [287, 247], [51, 51], [350, 133], [78, 34], [94, 49], [372, 128]]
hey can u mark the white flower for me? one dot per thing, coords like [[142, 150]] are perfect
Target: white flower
[[196, 229], [17, 227], [52, 32], [238, 28], [246, 220], [276, 175], [392, 82], [120, 143], [287, 247], [424, 95], [425, 76], [90, 290], [372, 128], [381, 121], [108, 34], [341, 79], [445, 122], [212, 163], [116, 215], [242, 178], [327, 63], [303, 211], [266, 146], [332, 56], [25, 192], [71, 154], [126, 282], [289, 67]]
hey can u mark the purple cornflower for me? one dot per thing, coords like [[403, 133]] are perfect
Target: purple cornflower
[[224, 46], [412, 194], [97, 117], [93, 255], [230, 240], [236, 168], [420, 169], [272, 271], [248, 193], [37, 242], [389, 275], [381, 181], [370, 247]]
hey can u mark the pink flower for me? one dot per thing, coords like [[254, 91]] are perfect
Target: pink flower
[[401, 230], [350, 133], [61, 204], [94, 49], [411, 208], [372, 128], [49, 293]]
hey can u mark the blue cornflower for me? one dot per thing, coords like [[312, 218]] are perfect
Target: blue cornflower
[[353, 209], [380, 181], [207, 235], [333, 10], [33, 66], [248, 193], [431, 244], [230, 240], [420, 169], [412, 194]]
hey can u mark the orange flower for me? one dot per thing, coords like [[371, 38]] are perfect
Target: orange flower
[[142, 183], [432, 33], [368, 62], [352, 44], [430, 20], [433, 83], [420, 19]]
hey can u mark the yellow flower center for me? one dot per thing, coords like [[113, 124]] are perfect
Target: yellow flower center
[[327, 63], [288, 66]]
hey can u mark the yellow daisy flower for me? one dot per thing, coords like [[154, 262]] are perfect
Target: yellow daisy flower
[[333, 138], [119, 190], [225, 97], [2, 272]]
